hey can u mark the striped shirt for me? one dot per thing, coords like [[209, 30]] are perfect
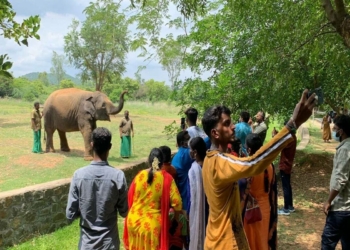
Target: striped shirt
[[220, 175], [340, 179]]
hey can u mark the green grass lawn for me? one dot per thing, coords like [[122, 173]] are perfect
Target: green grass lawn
[[21, 168], [66, 238]]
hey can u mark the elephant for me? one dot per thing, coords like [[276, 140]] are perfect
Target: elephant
[[72, 109]]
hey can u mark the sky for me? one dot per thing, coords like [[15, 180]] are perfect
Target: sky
[[56, 16]]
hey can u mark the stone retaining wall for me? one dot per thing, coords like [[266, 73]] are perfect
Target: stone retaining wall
[[40, 209]]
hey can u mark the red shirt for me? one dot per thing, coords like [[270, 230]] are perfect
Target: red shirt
[[287, 156], [170, 169]]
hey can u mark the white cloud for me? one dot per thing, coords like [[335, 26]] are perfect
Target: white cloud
[[37, 56], [56, 16]]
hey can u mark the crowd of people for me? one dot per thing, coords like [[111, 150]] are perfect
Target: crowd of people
[[219, 191]]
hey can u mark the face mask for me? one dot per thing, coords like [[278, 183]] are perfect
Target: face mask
[[335, 136]]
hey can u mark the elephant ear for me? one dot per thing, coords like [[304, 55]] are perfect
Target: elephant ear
[[89, 106]]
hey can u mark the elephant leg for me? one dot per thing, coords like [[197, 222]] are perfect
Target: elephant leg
[[86, 132], [49, 140], [64, 142]]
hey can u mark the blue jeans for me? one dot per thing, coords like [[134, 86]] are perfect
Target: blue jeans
[[337, 228], [287, 190]]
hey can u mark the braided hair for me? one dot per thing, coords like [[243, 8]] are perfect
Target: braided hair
[[155, 161]]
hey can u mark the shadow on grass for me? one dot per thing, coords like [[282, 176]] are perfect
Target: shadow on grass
[[13, 125], [73, 153], [119, 159]]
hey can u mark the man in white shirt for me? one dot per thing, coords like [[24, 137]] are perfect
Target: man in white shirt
[[191, 121], [260, 126]]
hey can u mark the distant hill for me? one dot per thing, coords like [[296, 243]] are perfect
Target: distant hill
[[51, 77]]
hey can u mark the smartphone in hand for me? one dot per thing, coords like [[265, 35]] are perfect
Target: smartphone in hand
[[183, 123], [319, 94]]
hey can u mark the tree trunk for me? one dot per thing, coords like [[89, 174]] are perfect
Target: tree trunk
[[332, 105], [339, 18]]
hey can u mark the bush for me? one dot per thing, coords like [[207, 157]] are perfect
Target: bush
[[66, 83], [29, 96]]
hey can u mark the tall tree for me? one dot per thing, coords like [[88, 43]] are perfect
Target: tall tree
[[11, 29], [257, 56], [171, 54], [337, 12], [99, 47], [57, 66]]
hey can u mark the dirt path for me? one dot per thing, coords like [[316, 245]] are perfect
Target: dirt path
[[310, 181]]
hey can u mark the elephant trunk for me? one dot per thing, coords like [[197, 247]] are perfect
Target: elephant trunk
[[115, 110]]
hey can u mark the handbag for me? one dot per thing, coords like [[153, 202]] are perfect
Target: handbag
[[252, 211]]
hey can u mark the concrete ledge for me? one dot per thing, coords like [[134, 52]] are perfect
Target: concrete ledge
[[304, 134], [37, 187], [40, 209]]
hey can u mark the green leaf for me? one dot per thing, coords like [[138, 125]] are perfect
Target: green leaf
[[5, 74], [7, 65], [37, 36], [36, 28], [25, 42]]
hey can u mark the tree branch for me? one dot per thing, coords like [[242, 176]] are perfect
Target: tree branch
[[332, 105], [311, 39], [328, 7], [340, 8], [332, 15]]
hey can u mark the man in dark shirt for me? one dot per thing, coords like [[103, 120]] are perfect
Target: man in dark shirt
[[285, 166], [97, 192]]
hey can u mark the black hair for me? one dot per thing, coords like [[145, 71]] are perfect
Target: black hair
[[198, 144], [101, 138], [155, 153], [245, 116], [262, 114], [212, 117], [236, 145], [254, 142], [343, 122], [192, 114], [36, 103], [180, 138], [166, 153]]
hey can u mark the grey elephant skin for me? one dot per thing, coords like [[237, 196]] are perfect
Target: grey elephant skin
[[70, 110]]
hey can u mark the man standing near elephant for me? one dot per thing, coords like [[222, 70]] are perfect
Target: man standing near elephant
[[126, 128], [36, 126]]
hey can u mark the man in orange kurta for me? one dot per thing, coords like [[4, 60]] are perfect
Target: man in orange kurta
[[221, 172]]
